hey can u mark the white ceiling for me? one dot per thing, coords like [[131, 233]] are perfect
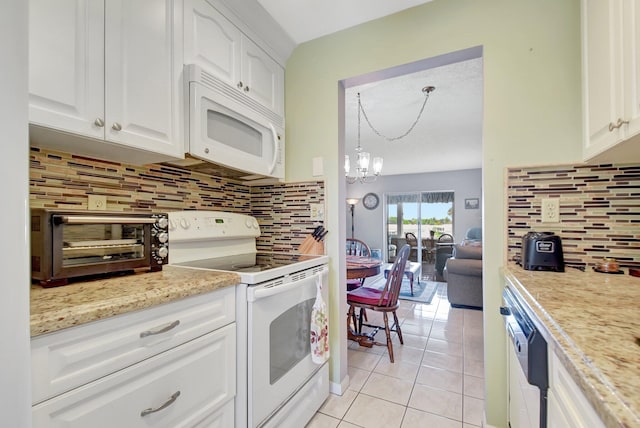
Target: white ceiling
[[449, 134], [447, 137], [305, 20]]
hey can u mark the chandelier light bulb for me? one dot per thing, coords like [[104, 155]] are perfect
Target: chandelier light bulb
[[377, 165], [347, 165], [363, 161]]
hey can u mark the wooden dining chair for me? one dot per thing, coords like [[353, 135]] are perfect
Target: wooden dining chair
[[356, 247], [385, 301], [412, 240]]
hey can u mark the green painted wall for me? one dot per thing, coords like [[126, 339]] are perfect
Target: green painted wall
[[532, 104]]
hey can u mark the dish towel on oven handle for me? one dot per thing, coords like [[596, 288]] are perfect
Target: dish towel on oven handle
[[319, 327]]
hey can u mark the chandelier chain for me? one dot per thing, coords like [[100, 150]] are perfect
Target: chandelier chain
[[426, 90]]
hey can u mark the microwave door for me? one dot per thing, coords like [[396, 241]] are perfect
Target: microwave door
[[223, 136]]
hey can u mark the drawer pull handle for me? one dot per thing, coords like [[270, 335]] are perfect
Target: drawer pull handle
[[166, 404], [160, 330], [618, 124]]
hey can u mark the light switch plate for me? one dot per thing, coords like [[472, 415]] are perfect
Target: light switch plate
[[318, 167], [97, 202]]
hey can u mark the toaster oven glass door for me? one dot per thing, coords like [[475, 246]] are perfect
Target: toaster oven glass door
[[95, 243], [89, 241]]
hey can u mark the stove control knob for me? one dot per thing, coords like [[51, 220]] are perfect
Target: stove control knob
[[163, 237], [172, 225], [255, 224], [248, 223], [163, 252], [163, 222], [184, 223]]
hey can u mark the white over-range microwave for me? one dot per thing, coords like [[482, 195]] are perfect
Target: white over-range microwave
[[228, 128]]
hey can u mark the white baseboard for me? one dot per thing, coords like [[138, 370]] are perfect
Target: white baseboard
[[339, 388]]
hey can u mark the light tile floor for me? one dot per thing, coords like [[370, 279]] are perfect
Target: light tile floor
[[437, 379]]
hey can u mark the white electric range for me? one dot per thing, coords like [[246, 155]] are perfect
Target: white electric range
[[278, 385]]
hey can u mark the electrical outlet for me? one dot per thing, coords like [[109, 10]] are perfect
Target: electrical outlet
[[317, 212], [97, 202], [551, 210]]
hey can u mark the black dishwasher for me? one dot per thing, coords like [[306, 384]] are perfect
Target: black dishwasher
[[530, 347]]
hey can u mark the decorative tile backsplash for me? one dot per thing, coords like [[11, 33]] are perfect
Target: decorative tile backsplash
[[63, 180], [285, 207], [599, 210]]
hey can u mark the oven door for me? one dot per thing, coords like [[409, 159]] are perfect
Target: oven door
[[279, 322]]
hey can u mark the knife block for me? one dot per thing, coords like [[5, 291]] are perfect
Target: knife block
[[311, 246]]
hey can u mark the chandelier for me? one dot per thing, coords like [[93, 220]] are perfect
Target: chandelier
[[362, 172]]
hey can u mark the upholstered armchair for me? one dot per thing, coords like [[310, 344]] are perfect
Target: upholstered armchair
[[463, 273]]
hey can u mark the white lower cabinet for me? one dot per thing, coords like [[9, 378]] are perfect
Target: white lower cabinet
[[567, 407], [186, 379]]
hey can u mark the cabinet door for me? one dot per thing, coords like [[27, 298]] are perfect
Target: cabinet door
[[263, 77], [603, 76], [186, 386], [568, 406], [212, 41], [66, 65], [555, 414], [631, 58], [143, 57]]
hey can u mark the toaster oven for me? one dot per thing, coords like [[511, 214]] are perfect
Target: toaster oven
[[69, 244]]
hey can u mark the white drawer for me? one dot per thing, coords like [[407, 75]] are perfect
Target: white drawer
[[221, 418], [203, 371], [72, 357]]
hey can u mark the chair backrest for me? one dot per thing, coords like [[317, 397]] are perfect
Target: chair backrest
[[474, 234], [445, 237], [411, 239], [391, 292], [356, 247]]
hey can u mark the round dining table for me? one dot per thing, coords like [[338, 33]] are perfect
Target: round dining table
[[354, 272]]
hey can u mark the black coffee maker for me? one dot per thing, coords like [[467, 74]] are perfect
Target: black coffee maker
[[542, 251]]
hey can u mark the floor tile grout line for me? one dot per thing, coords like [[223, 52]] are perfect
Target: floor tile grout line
[[433, 317]]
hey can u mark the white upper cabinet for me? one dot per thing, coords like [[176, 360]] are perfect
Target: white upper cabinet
[[66, 65], [214, 43], [263, 78], [611, 79], [142, 76], [109, 70]]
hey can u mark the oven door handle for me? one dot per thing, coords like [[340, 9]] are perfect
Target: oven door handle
[[84, 219], [262, 292]]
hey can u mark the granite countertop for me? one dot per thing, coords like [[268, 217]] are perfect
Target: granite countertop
[[592, 321], [57, 308]]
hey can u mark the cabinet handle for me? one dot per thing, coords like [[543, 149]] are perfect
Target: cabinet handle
[[116, 126], [160, 330], [246, 89], [240, 85], [618, 124], [166, 404], [98, 122]]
